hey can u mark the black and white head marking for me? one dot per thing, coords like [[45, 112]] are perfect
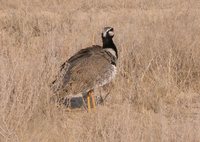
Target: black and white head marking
[[108, 32], [108, 44]]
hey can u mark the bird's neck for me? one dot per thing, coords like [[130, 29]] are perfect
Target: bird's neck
[[109, 45]]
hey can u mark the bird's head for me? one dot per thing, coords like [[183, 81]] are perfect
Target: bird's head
[[108, 32]]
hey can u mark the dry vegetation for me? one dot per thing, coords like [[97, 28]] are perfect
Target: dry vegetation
[[155, 96]]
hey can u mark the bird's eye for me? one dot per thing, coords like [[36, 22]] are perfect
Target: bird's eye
[[111, 29]]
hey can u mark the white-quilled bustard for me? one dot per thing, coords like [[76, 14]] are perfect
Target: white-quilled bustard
[[88, 69]]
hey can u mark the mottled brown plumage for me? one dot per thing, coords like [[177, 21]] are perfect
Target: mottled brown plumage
[[88, 69], [84, 71]]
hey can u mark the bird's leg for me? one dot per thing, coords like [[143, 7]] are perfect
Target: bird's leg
[[88, 102], [93, 99]]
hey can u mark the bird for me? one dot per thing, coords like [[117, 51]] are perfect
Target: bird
[[89, 68]]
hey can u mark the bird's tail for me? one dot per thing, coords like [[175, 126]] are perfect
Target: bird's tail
[[58, 84]]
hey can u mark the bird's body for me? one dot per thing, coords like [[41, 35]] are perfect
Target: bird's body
[[88, 69]]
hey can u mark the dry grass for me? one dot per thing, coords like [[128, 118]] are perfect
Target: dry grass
[[156, 92]]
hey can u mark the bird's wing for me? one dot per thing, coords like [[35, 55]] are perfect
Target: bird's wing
[[82, 70], [86, 70]]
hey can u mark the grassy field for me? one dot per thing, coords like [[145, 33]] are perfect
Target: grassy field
[[155, 96]]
